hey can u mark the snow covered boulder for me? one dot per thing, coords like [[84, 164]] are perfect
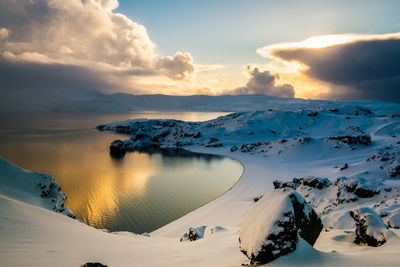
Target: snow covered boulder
[[273, 225], [370, 228]]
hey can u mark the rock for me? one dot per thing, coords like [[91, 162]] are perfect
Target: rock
[[123, 129], [140, 136], [193, 234], [312, 114], [315, 182], [257, 198], [370, 228], [117, 148], [345, 166], [101, 127], [365, 192], [200, 232], [234, 148], [353, 140], [311, 181], [272, 226], [394, 171], [197, 135], [93, 264], [291, 184], [349, 190]]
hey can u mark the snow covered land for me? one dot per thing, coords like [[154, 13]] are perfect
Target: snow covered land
[[320, 187]]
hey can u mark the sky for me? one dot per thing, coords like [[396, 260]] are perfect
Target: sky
[[178, 47]]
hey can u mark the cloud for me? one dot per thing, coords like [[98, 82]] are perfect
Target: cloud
[[264, 83], [354, 66], [83, 43], [75, 32], [178, 67]]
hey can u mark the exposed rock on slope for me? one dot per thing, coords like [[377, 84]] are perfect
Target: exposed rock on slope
[[272, 226]]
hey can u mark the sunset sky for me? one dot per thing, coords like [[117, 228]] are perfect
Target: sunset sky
[[308, 49]]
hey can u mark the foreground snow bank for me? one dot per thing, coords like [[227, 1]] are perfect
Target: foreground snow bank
[[32, 187]]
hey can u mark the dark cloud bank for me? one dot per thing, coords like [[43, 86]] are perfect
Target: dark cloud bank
[[366, 69]]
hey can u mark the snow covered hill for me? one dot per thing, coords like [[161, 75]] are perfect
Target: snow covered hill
[[343, 158]]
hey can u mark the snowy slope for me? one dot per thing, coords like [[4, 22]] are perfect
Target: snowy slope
[[284, 143], [31, 187]]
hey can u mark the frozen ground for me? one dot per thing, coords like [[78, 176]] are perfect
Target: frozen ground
[[355, 145]]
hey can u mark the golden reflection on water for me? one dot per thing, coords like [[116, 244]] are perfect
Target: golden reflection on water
[[104, 188]]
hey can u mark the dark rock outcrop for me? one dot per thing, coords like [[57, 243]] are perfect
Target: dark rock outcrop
[[117, 148]]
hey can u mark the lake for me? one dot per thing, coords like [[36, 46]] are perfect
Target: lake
[[139, 192]]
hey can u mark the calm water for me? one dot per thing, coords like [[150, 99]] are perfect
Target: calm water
[[140, 192]]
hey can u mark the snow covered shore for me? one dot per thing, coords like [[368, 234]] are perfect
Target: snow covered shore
[[354, 146]]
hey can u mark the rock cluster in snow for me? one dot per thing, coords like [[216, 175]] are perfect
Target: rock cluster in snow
[[200, 232], [389, 159], [273, 225], [314, 182], [353, 140]]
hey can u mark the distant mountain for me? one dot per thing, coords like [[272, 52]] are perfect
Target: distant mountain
[[88, 101]]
